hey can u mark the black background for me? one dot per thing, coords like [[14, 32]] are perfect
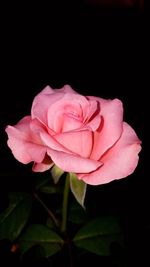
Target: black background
[[98, 51]]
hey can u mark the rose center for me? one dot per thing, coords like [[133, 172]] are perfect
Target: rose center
[[73, 115]]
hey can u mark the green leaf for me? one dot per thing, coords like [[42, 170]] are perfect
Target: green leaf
[[15, 217], [97, 235], [56, 173], [40, 235], [78, 188]]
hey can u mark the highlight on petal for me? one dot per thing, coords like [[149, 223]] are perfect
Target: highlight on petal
[[119, 162]]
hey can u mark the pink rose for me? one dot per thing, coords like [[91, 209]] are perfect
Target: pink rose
[[85, 135]]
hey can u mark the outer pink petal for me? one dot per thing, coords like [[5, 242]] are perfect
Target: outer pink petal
[[110, 128], [22, 143], [45, 99], [66, 89], [23, 150], [48, 90], [72, 163], [41, 167], [119, 162], [41, 104], [79, 142]]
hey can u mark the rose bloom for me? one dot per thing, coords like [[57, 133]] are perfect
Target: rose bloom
[[85, 135]]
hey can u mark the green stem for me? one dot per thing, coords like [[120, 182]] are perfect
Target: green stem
[[65, 205], [51, 215]]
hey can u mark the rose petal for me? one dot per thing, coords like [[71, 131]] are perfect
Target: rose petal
[[45, 99], [119, 162], [41, 104], [110, 127], [56, 109], [79, 142], [66, 89], [25, 146], [90, 109], [41, 167], [65, 114], [91, 114], [94, 123], [52, 143], [24, 150], [72, 163], [62, 122]]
